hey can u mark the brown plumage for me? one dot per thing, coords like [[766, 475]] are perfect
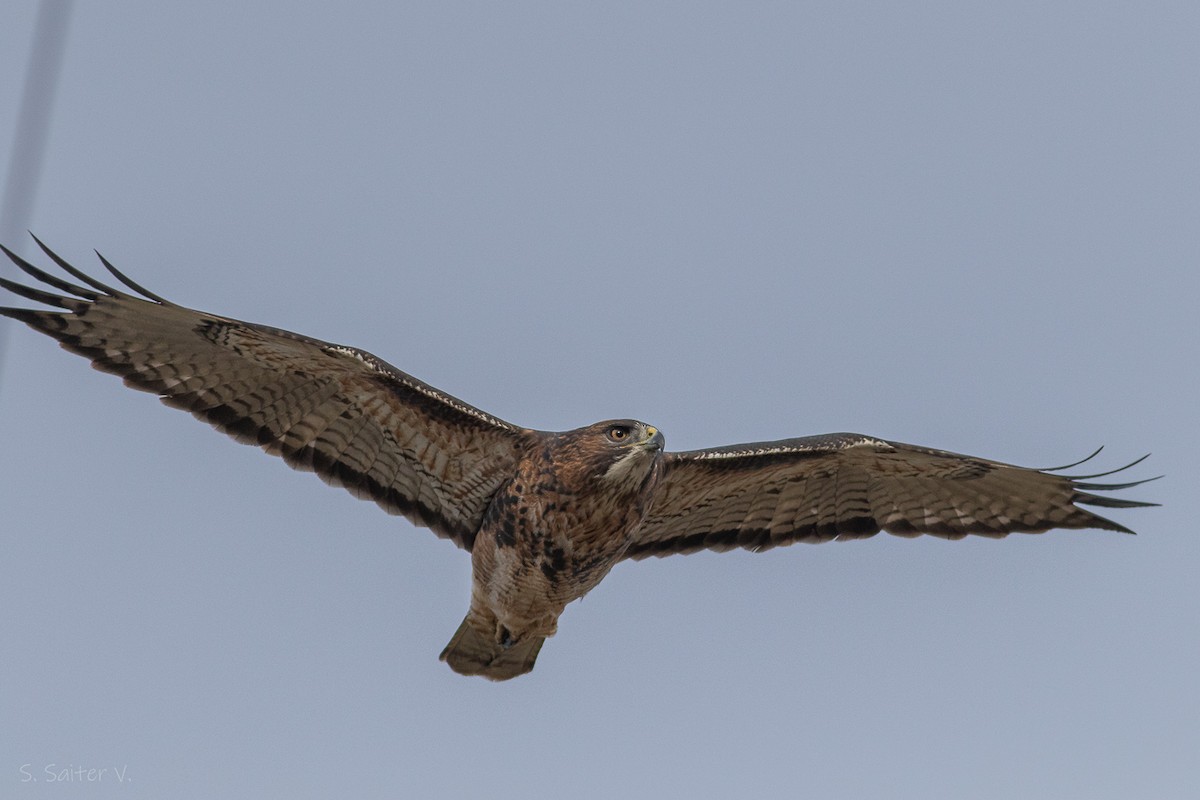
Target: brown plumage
[[544, 515]]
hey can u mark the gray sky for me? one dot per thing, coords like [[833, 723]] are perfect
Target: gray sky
[[971, 226]]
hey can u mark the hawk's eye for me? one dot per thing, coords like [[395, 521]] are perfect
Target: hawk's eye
[[618, 433]]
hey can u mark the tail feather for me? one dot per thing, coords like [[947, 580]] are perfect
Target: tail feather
[[472, 653]]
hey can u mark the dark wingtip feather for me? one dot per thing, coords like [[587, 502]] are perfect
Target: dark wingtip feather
[[1133, 463], [1084, 460], [1108, 525], [46, 321], [1110, 502], [47, 278], [1112, 487], [36, 295], [144, 292], [21, 314], [76, 273]]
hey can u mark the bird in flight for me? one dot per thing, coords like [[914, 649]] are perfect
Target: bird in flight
[[545, 515]]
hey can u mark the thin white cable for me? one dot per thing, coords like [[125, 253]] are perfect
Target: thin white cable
[[33, 128]]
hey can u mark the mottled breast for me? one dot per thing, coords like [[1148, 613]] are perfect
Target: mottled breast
[[567, 515]]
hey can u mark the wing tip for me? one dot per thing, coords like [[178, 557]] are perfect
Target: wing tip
[[78, 274], [1084, 488], [129, 282]]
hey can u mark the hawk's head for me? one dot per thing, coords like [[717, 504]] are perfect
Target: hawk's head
[[618, 453]]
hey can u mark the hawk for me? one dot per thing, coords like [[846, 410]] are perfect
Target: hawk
[[545, 515]]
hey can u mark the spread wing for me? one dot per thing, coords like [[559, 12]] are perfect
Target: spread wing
[[346, 415], [849, 486]]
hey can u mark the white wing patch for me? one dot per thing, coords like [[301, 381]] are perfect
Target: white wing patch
[[786, 448]]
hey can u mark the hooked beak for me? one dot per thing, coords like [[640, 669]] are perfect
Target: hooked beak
[[654, 439]]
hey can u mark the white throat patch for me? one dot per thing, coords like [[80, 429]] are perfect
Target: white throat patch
[[632, 463]]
